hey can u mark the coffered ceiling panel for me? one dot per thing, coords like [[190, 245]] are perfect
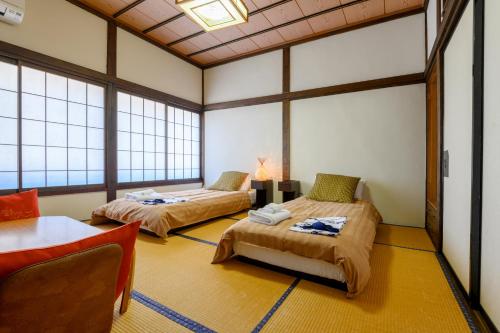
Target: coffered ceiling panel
[[271, 23]]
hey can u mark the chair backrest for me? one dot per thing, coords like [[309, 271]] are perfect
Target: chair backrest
[[74, 293]]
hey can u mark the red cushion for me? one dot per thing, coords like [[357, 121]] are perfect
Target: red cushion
[[124, 236], [17, 206]]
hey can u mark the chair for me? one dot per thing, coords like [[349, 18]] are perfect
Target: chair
[[73, 293]]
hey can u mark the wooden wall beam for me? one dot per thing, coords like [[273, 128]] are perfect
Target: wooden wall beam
[[394, 81], [477, 156], [16, 52], [111, 116], [286, 116]]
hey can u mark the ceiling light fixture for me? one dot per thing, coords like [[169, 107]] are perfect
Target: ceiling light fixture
[[215, 14]]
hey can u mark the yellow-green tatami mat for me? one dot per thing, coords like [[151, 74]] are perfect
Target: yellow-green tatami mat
[[415, 238], [240, 215], [407, 292], [140, 318], [226, 298], [210, 231]]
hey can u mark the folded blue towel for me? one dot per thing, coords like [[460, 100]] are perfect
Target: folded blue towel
[[321, 226]]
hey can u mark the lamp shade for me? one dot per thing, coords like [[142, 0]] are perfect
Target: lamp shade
[[261, 173]]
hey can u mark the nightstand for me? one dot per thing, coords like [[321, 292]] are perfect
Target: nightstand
[[290, 189], [264, 190]]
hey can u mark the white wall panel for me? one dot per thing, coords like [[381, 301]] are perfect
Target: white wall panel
[[251, 77], [61, 30], [143, 63], [490, 267], [458, 141], [378, 135], [77, 206], [235, 138], [388, 49], [431, 25]]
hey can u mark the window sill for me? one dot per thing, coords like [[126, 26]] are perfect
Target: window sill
[[124, 186]]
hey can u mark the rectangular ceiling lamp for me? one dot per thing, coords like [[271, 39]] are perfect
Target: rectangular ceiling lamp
[[215, 14]]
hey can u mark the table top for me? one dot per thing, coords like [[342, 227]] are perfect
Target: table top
[[42, 232]]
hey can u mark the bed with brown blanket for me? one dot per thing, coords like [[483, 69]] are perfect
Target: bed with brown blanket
[[202, 205], [344, 257]]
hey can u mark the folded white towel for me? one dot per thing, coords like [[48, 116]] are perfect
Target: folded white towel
[[260, 216], [272, 208], [145, 195]]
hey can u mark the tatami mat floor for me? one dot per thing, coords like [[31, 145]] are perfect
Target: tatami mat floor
[[176, 289]]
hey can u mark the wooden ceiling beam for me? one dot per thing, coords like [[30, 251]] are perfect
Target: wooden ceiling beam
[[263, 9], [162, 23], [127, 8], [300, 19]]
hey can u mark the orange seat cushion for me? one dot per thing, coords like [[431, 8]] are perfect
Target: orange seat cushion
[[125, 236], [18, 206]]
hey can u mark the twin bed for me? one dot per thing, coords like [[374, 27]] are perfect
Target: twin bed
[[202, 205], [344, 258]]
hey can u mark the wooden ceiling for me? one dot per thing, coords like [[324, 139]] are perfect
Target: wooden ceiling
[[272, 23]]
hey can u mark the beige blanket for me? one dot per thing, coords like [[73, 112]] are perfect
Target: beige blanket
[[202, 205], [350, 249]]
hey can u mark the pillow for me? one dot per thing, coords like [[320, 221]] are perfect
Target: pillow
[[124, 236], [18, 206], [245, 187], [229, 181], [360, 189], [334, 188]]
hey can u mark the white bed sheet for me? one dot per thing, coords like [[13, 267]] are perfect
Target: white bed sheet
[[253, 196], [290, 261]]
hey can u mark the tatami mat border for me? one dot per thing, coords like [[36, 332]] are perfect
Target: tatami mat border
[[170, 314], [405, 247], [195, 239], [275, 307], [462, 303]]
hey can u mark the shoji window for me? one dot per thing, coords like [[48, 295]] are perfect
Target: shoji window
[[141, 139], [8, 127], [156, 142], [62, 130], [59, 134], [183, 144]]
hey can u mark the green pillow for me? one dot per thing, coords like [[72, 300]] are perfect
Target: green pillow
[[333, 188], [229, 181]]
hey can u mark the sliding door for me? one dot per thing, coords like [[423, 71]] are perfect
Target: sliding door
[[457, 145], [490, 270]]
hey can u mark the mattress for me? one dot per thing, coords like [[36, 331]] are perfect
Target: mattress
[[202, 205], [350, 250], [290, 261]]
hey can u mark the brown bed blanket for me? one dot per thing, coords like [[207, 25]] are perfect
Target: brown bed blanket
[[160, 219], [350, 249]]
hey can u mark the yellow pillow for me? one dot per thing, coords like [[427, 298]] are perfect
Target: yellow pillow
[[229, 181], [334, 188]]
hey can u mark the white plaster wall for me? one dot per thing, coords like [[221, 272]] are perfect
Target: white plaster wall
[[235, 138], [251, 77], [61, 30], [378, 135], [388, 49], [458, 141], [143, 63], [490, 268]]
